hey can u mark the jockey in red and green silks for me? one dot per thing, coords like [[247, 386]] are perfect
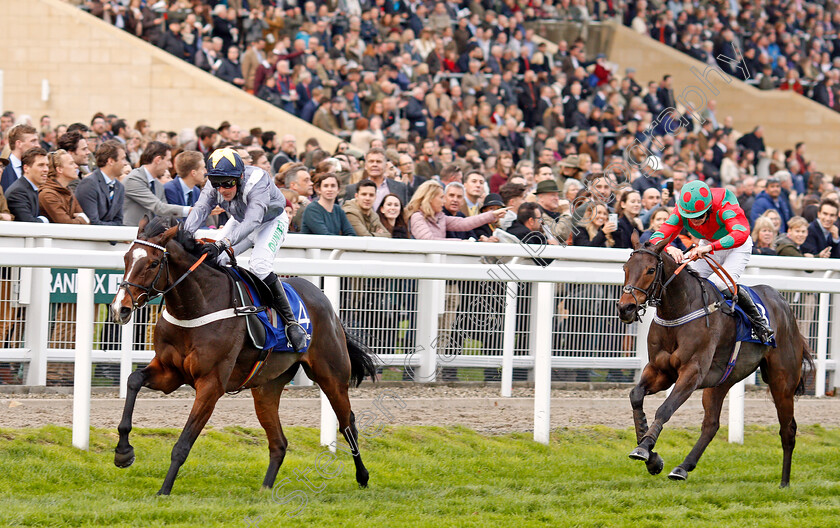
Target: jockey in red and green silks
[[714, 216]]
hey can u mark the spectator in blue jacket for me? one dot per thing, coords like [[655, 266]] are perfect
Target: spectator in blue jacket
[[772, 198], [823, 237]]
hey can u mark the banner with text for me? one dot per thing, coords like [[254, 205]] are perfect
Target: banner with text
[[106, 282]]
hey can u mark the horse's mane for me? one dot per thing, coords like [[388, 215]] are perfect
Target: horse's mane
[[159, 224], [691, 271]]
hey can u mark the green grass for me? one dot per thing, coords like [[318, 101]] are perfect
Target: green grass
[[421, 476]]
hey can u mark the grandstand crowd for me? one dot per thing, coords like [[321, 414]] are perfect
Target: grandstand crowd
[[459, 95]]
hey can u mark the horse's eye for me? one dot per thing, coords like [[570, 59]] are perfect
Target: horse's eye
[[651, 271], [154, 264]]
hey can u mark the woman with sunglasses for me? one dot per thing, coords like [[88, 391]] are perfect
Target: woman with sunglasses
[[714, 216], [258, 219]]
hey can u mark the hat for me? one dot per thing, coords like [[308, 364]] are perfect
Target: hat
[[547, 186], [773, 179], [492, 199], [225, 163], [572, 162], [630, 70]]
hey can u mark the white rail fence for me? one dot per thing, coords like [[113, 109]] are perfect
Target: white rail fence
[[428, 307]]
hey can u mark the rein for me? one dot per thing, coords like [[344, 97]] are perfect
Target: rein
[[657, 286], [151, 291], [650, 298]]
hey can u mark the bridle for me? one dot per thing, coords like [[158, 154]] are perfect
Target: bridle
[[657, 286], [151, 291]]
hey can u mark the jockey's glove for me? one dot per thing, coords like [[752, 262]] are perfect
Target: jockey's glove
[[214, 250]]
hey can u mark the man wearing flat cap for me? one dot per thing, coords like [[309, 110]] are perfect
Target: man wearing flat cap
[[556, 212]]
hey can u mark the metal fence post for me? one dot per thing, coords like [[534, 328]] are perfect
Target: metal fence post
[[428, 299], [301, 379], [126, 353], [736, 413], [641, 342], [38, 320], [83, 366], [543, 311], [511, 295], [834, 341], [822, 345], [329, 422]]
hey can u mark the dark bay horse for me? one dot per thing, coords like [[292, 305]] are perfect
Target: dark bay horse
[[217, 358], [694, 356]]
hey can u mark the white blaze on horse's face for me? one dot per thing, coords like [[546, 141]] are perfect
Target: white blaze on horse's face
[[136, 255]]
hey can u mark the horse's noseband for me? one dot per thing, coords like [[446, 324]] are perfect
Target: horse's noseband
[[151, 292], [651, 298]]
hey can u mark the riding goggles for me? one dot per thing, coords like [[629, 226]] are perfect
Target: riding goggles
[[225, 184]]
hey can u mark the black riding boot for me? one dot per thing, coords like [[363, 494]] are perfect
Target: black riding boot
[[294, 331], [762, 330]]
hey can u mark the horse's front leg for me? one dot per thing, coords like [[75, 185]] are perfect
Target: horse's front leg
[[124, 453], [208, 390], [688, 380], [651, 382], [155, 377]]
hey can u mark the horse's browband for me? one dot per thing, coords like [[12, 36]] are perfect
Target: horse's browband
[[145, 243]]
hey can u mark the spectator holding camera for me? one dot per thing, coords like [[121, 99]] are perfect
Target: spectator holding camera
[[628, 206], [593, 229]]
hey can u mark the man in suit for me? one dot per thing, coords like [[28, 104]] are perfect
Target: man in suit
[[411, 180], [144, 194], [101, 194], [429, 166], [21, 139], [22, 195], [186, 187], [823, 236], [375, 171], [77, 146]]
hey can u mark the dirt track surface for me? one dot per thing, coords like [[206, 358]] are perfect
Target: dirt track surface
[[479, 408]]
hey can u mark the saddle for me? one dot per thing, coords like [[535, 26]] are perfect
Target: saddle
[[245, 306], [744, 326], [253, 300]]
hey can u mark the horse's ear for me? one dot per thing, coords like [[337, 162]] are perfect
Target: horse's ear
[[660, 246], [143, 223], [168, 235], [634, 240]]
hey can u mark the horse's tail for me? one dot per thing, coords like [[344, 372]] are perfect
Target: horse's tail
[[807, 361], [362, 359]]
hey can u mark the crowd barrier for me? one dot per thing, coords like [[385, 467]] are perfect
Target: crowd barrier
[[430, 310]]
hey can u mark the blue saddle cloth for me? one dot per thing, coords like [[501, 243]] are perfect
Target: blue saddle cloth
[[275, 334], [744, 330]]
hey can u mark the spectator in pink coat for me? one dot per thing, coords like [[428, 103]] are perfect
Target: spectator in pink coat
[[427, 220]]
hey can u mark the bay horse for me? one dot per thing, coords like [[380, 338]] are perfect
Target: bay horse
[[695, 355], [218, 358]]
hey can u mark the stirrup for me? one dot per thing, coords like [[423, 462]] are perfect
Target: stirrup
[[306, 336]]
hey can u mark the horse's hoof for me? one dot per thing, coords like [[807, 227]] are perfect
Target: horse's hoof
[[784, 485], [123, 460], [362, 479], [640, 453], [655, 464], [678, 473]]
